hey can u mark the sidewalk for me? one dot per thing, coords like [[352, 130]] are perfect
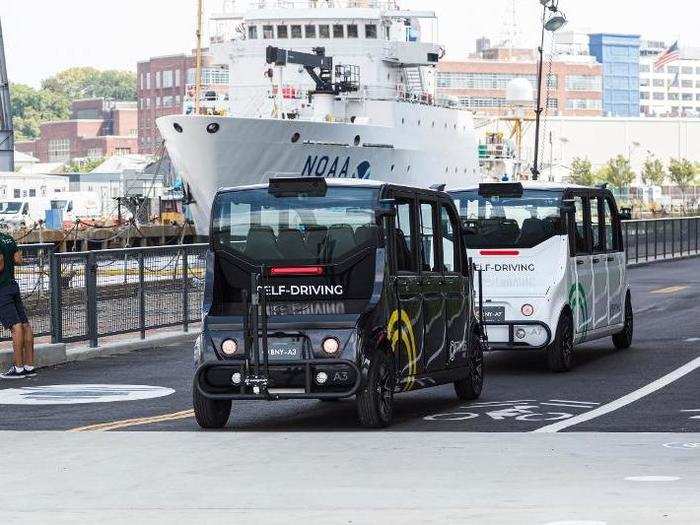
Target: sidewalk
[[47, 354]]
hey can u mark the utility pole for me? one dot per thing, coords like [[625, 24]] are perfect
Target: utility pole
[[198, 62], [7, 143]]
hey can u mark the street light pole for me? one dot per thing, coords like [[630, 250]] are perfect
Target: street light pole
[[556, 22], [538, 108]]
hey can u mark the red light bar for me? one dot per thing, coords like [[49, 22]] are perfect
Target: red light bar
[[499, 252], [296, 270]]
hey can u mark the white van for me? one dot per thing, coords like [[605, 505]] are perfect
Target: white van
[[554, 268], [77, 205], [22, 212]]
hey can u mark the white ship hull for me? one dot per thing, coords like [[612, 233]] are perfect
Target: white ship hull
[[439, 149]]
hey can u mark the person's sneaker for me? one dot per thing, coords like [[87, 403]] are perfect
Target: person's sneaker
[[29, 371], [13, 373]]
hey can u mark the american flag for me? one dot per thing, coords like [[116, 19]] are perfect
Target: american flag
[[668, 56]]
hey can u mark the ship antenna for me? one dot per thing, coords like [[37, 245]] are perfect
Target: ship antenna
[[198, 60]]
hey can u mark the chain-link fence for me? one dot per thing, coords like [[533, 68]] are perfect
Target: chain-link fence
[[658, 239]]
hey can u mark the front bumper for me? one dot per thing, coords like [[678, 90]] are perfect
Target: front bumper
[[286, 380], [510, 341]]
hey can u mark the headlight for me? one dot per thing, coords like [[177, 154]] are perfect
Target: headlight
[[527, 310], [330, 345], [229, 347]]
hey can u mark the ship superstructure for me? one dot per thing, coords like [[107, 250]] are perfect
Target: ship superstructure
[[389, 126]]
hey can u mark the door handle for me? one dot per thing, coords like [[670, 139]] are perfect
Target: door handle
[[579, 263]]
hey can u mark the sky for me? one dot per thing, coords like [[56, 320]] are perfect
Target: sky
[[43, 37]]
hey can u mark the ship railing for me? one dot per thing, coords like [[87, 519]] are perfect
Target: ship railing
[[386, 5]]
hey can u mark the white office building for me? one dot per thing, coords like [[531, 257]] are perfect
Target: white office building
[[672, 91]]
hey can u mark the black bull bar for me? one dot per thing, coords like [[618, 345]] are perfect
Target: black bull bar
[[267, 389]]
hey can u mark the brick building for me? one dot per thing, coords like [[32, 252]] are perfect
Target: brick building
[[165, 86], [575, 86], [97, 128]]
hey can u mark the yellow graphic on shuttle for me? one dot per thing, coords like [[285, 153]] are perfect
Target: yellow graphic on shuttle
[[400, 326]]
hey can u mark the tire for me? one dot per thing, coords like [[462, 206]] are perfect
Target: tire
[[560, 353], [470, 387], [623, 339], [375, 402], [210, 413]]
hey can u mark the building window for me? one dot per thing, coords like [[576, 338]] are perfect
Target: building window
[[310, 31], [148, 80], [352, 31], [141, 83], [148, 102], [167, 79], [122, 151], [584, 103], [282, 32], [697, 96], [94, 153], [687, 70], [178, 77], [158, 80], [157, 102], [643, 96], [659, 96], [687, 96], [644, 82], [672, 69], [17, 193], [338, 31], [673, 96], [168, 102], [658, 82], [687, 83], [59, 150], [482, 102], [485, 80], [643, 68], [252, 32], [552, 103], [268, 32], [32, 192], [324, 31], [371, 31], [296, 31], [584, 83]]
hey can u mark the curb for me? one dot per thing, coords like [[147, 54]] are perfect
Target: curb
[[56, 354]]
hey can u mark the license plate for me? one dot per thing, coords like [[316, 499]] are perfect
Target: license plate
[[494, 314], [284, 349]]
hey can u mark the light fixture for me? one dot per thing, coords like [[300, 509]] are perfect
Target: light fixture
[[330, 345], [527, 310], [321, 378], [236, 378], [520, 333], [229, 347], [556, 22]]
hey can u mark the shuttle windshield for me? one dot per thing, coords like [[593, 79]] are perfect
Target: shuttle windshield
[[496, 221]]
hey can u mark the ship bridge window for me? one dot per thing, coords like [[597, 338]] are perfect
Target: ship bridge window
[[296, 31], [324, 31], [310, 31], [371, 31], [282, 32], [338, 31], [352, 31], [252, 32], [268, 32]]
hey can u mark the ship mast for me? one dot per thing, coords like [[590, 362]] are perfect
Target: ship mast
[[198, 60], [7, 149]]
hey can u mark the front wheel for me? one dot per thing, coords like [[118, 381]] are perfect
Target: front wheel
[[210, 413], [375, 403], [470, 387], [623, 340], [560, 353]]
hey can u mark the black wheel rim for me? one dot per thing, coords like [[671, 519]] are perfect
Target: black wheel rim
[[567, 343], [628, 319], [477, 365], [385, 391]]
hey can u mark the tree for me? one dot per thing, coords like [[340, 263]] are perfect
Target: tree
[[87, 82], [682, 173], [582, 172], [617, 172], [32, 107], [653, 172], [83, 166]]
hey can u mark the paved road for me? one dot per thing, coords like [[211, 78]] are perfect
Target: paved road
[[520, 394]]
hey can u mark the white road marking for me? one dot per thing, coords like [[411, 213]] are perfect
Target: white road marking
[[624, 400], [575, 402], [652, 479], [692, 340], [577, 522], [79, 394], [681, 445], [568, 405], [692, 411]]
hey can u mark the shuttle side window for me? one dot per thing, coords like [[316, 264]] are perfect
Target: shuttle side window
[[580, 231], [597, 231], [612, 228], [405, 238], [428, 225], [449, 249]]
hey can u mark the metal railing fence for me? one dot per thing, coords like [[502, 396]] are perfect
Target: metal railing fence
[[660, 239], [83, 296]]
